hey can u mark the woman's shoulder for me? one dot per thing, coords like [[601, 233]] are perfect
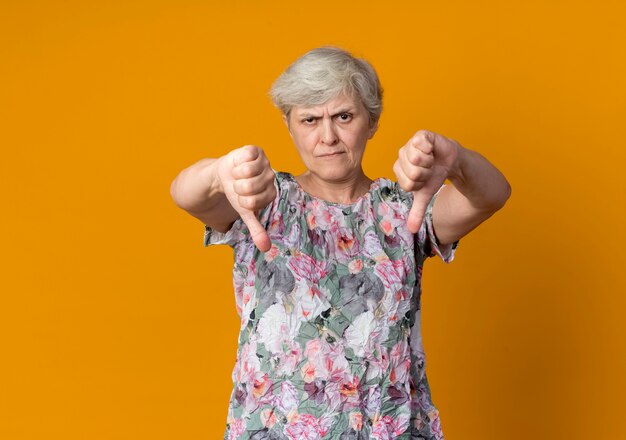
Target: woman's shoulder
[[286, 185]]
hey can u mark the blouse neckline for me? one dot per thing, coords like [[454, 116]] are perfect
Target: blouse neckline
[[373, 186]]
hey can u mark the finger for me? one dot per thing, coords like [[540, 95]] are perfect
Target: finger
[[424, 141], [253, 185], [248, 169], [404, 182], [259, 235], [417, 157], [247, 153], [414, 172], [418, 209]]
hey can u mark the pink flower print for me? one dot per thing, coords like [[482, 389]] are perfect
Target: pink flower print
[[389, 272], [236, 428], [261, 385], [271, 254], [399, 306], [350, 391], [287, 400], [349, 388], [399, 425], [313, 348], [252, 268], [372, 247], [277, 225], [289, 359], [401, 363], [388, 428], [315, 390], [244, 292], [384, 210], [249, 363], [292, 240], [268, 418], [306, 267], [386, 222], [379, 430], [378, 364], [355, 266], [347, 246], [418, 420], [386, 226], [259, 392], [325, 362], [332, 396], [398, 394], [372, 402], [247, 303], [435, 423], [311, 300], [318, 215], [401, 295], [308, 372], [304, 427], [324, 423], [355, 419], [346, 241]]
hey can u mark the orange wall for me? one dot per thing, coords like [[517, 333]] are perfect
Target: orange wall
[[116, 322]]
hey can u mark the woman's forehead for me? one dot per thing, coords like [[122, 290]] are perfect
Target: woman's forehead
[[343, 102]]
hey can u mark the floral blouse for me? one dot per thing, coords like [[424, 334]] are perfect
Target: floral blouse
[[330, 345]]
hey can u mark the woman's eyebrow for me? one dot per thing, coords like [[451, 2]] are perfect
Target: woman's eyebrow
[[344, 110], [307, 114]]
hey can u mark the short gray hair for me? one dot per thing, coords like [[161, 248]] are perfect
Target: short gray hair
[[324, 73]]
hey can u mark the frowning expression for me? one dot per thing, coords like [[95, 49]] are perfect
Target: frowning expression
[[331, 137]]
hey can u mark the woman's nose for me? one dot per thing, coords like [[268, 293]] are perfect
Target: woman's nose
[[328, 135]]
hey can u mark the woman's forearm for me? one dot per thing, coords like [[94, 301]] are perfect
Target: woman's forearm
[[198, 190], [479, 181]]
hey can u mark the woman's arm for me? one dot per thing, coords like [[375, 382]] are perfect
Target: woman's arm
[[478, 189], [219, 191], [199, 191]]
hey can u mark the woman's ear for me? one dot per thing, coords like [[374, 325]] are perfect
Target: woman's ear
[[373, 129], [286, 121]]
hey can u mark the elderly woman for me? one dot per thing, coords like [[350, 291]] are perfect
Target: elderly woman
[[328, 263]]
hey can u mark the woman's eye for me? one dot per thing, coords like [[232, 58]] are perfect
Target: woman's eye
[[309, 120], [345, 116]]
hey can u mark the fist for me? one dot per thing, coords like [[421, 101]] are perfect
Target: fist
[[422, 167], [248, 183]]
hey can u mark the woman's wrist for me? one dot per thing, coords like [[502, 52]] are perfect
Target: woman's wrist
[[478, 180], [214, 175], [456, 174]]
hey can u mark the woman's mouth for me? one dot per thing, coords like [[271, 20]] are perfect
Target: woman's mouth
[[331, 155]]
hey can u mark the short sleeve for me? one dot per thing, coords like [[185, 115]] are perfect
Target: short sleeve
[[234, 235], [427, 240], [238, 231]]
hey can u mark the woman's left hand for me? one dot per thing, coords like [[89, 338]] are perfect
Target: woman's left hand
[[422, 167]]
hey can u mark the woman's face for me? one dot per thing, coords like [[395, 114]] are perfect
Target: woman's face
[[331, 137]]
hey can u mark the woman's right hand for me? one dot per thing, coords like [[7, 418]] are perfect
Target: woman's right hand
[[248, 183]]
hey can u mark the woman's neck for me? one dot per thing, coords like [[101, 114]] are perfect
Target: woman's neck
[[343, 191]]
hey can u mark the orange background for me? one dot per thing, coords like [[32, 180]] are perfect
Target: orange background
[[116, 322]]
